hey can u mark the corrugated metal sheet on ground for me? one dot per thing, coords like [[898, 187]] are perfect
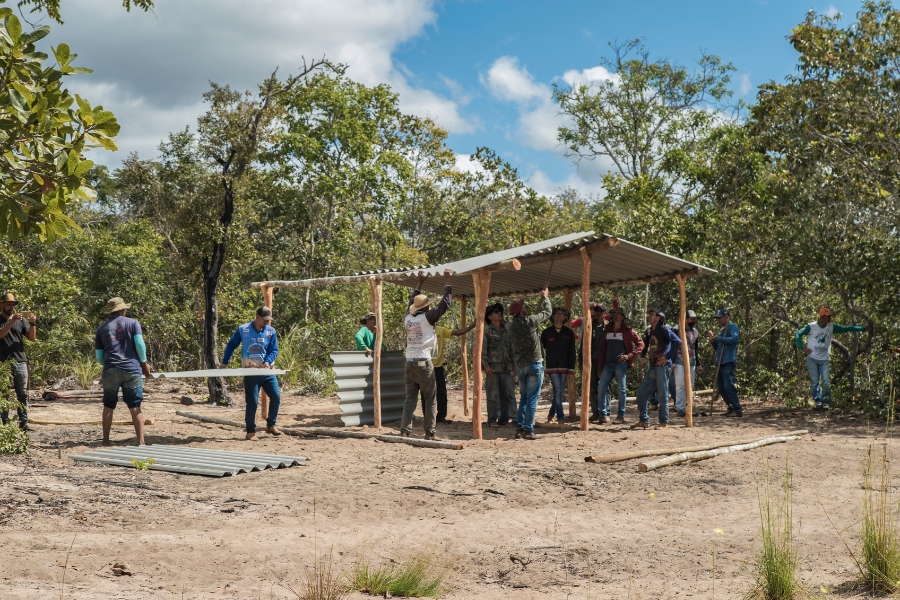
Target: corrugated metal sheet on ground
[[191, 461], [353, 376]]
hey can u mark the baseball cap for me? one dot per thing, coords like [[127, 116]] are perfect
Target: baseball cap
[[723, 312], [265, 312], [516, 307], [825, 312]]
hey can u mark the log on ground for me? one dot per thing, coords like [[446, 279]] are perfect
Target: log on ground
[[396, 439], [693, 456], [147, 422], [610, 458]]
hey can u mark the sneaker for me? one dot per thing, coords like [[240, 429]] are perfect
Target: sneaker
[[404, 433], [603, 420], [594, 419], [251, 436], [818, 405], [730, 412], [734, 413], [528, 435], [826, 406], [662, 426], [641, 425], [518, 433], [272, 431], [619, 420], [494, 425], [680, 413], [429, 435]]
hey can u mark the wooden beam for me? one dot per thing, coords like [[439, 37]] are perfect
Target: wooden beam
[[465, 360], [512, 264], [685, 355], [586, 338], [482, 281], [570, 387], [548, 255], [376, 288]]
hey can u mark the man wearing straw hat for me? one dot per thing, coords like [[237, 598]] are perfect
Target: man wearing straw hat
[[421, 343], [14, 327], [119, 346]]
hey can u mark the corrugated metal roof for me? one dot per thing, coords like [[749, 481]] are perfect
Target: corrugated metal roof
[[191, 461], [353, 376], [623, 263]]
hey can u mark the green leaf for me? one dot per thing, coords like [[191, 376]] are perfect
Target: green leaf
[[83, 167], [14, 27], [38, 34], [108, 143], [5, 12], [82, 70], [17, 211], [18, 101], [61, 53], [84, 105], [72, 161]]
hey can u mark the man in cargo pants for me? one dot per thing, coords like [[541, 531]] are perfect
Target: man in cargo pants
[[421, 344]]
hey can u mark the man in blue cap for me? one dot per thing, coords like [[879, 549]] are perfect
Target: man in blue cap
[[725, 345]]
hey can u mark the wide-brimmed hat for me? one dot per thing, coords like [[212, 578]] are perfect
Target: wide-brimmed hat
[[723, 312], [516, 307], [365, 318], [115, 305], [419, 302], [825, 312], [8, 297], [497, 306]]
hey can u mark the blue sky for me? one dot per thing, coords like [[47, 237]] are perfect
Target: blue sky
[[482, 68]]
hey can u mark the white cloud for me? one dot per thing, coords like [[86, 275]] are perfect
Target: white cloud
[[832, 11], [506, 80], [151, 68], [588, 76], [746, 85], [465, 164]]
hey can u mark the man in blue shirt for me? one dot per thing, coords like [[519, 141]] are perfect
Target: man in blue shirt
[[259, 348], [725, 350], [119, 347]]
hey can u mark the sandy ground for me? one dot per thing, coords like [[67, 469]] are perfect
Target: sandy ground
[[565, 529]]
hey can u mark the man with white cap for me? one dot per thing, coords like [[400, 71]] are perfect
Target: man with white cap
[[421, 344], [818, 351], [259, 348], [14, 327], [119, 347]]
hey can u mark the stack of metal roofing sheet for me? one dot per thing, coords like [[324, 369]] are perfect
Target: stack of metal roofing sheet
[[353, 376], [191, 461]]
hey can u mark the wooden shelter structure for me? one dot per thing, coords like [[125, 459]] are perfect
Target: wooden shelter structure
[[578, 261]]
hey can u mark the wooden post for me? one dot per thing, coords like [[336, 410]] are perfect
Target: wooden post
[[482, 280], [376, 287], [567, 302], [465, 359], [586, 338], [263, 397], [685, 357]]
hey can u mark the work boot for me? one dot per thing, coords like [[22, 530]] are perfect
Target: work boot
[[528, 435], [594, 419], [619, 420], [429, 435], [662, 426], [251, 436], [641, 425], [404, 433], [730, 412], [680, 414], [518, 433], [272, 431]]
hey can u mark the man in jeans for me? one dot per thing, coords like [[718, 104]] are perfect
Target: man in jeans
[[693, 337], [421, 344], [119, 347], [725, 345], [818, 350], [619, 346], [259, 349], [525, 338], [14, 327], [662, 347]]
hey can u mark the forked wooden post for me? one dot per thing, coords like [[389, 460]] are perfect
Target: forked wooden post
[[464, 358], [267, 293], [482, 280], [567, 302], [376, 286], [685, 354], [586, 338]]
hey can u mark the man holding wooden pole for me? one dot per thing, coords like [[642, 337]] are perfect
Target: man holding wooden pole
[[725, 345], [662, 348], [525, 338], [421, 342]]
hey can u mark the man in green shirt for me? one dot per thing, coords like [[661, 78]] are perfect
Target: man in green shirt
[[365, 337]]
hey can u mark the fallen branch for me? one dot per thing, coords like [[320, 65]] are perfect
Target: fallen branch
[[693, 456], [71, 395], [609, 458], [334, 433], [42, 422]]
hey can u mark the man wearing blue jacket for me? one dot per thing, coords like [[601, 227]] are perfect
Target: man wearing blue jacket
[[663, 345], [725, 350], [259, 348]]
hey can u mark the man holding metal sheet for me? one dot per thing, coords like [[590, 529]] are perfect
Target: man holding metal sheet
[[259, 348]]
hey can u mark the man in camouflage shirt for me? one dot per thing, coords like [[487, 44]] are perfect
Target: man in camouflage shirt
[[496, 360], [525, 338]]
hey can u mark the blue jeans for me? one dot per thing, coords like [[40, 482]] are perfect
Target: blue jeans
[[131, 383], [20, 383], [819, 369], [617, 370], [531, 378], [655, 382], [680, 389], [558, 381], [727, 387], [269, 383]]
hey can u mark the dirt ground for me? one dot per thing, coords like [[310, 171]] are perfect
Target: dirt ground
[[564, 528]]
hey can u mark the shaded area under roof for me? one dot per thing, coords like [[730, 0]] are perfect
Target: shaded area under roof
[[615, 263]]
